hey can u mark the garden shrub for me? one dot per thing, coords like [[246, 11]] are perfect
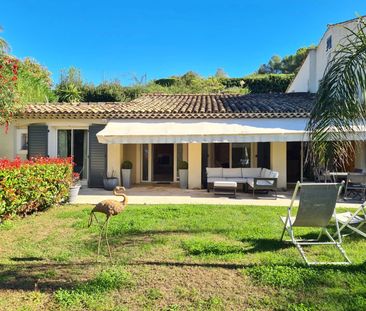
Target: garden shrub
[[261, 83], [33, 185]]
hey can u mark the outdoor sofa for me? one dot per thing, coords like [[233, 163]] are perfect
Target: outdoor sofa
[[256, 178]]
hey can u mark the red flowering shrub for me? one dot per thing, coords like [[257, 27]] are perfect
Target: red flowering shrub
[[33, 185]]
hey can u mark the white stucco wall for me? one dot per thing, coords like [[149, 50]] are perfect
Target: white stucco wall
[[8, 142], [301, 80], [311, 72]]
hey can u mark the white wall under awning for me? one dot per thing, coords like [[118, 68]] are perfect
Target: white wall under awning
[[202, 131]]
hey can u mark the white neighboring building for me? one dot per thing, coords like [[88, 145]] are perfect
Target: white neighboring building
[[312, 70]]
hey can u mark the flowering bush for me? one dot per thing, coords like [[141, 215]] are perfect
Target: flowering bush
[[33, 185]]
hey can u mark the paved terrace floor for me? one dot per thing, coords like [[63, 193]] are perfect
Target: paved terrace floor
[[171, 194]]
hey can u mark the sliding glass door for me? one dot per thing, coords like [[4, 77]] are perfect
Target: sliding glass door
[[74, 143]]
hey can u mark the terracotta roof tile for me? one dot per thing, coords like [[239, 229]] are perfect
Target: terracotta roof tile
[[189, 106]]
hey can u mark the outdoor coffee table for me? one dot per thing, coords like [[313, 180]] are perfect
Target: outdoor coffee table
[[226, 187]]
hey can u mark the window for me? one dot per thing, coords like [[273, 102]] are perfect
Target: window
[[329, 43], [22, 141], [240, 155], [222, 155]]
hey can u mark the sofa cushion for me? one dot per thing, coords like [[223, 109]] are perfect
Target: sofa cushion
[[231, 172], [265, 182], [214, 172], [213, 179], [266, 172], [260, 182], [239, 180], [251, 171], [274, 174]]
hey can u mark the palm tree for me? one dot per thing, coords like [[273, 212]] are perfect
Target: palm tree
[[339, 112], [4, 46]]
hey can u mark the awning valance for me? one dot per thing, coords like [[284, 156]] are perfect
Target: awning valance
[[202, 131]]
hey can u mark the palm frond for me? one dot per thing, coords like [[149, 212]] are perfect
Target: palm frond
[[339, 113], [4, 46]]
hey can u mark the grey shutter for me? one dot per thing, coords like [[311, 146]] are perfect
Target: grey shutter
[[97, 158], [37, 140]]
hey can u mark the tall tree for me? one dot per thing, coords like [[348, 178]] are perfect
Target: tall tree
[[340, 109], [288, 64]]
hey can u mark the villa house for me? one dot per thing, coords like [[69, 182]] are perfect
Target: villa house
[[155, 132]]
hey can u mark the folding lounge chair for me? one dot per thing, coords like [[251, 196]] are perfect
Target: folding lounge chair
[[316, 208], [353, 221]]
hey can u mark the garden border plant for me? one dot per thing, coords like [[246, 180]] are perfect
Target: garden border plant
[[33, 185]]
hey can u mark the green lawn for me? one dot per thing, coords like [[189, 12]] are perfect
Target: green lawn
[[172, 257]]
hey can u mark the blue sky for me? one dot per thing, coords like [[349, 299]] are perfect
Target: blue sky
[[121, 39]]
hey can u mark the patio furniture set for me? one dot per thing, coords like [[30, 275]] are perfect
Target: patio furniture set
[[355, 183], [317, 207], [226, 180]]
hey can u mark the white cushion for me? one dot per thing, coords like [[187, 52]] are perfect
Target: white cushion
[[239, 180], [274, 174], [213, 179], [250, 182], [259, 182], [264, 182], [225, 184], [231, 172], [251, 171], [266, 172], [214, 171]]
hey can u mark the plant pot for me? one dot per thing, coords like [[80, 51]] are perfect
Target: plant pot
[[183, 179], [126, 178], [73, 193], [110, 183]]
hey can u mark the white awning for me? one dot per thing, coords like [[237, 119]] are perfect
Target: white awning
[[202, 131]]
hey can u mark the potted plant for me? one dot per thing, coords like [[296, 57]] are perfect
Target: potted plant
[[183, 174], [110, 183], [126, 173], [74, 187]]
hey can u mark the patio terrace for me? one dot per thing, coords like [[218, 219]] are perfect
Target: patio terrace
[[172, 194]]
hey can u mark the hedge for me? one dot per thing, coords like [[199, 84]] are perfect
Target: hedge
[[261, 83], [35, 185]]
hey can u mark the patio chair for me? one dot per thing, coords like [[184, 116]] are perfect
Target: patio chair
[[355, 186], [316, 207], [353, 221]]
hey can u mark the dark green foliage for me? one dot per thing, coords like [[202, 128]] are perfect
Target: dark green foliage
[[166, 82], [182, 165], [269, 83], [109, 92], [126, 165], [288, 64]]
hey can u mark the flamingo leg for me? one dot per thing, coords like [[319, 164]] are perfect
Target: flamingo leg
[[106, 238], [101, 232]]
